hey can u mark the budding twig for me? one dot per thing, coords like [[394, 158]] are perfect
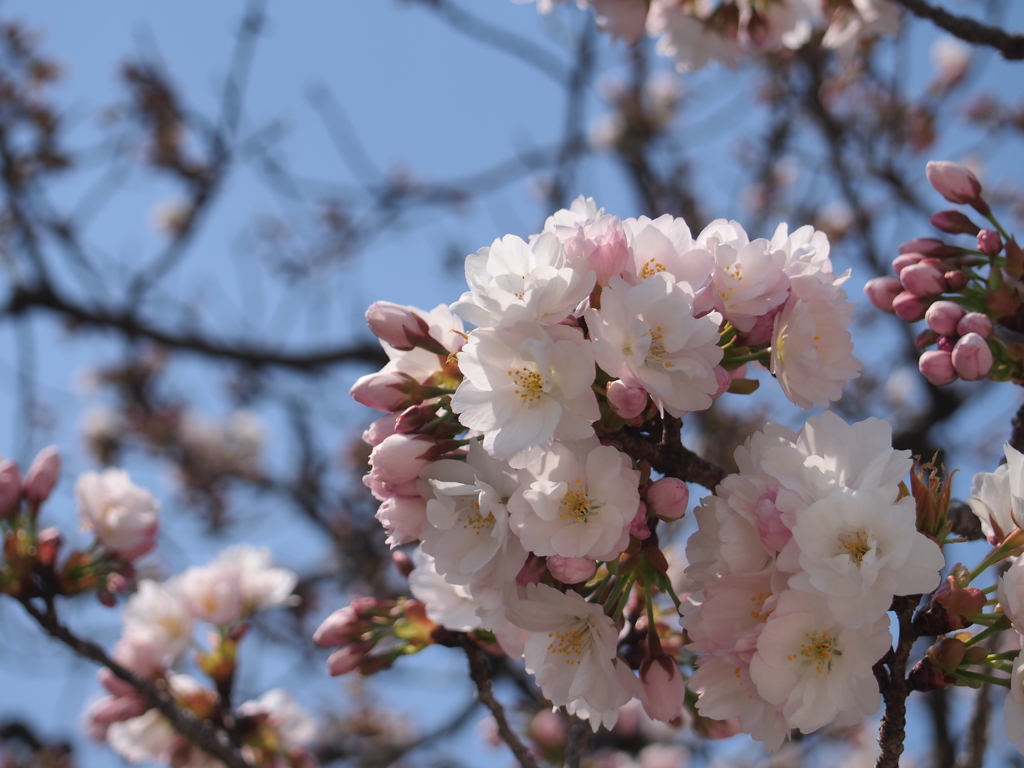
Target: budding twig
[[198, 731]]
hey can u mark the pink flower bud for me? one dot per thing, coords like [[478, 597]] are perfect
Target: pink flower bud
[[401, 327], [946, 343], [627, 398], [571, 570], [348, 658], [380, 429], [925, 338], [881, 291], [989, 242], [910, 308], [904, 260], [400, 458], [10, 488], [601, 246], [663, 688], [549, 729], [930, 246], [668, 498], [953, 181], [937, 367], [957, 280], [387, 391], [953, 222], [403, 517], [923, 280], [42, 475], [764, 326], [638, 527], [724, 379], [972, 357], [974, 322], [340, 628], [942, 317]]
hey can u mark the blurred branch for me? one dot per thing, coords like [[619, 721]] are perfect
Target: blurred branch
[[969, 30], [669, 456], [480, 672], [497, 37], [127, 322], [200, 732]]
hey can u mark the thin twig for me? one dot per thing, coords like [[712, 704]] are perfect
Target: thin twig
[[1011, 45], [480, 673], [576, 745], [895, 688], [200, 732]]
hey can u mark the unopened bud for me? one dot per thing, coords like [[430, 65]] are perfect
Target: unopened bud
[[627, 398], [954, 222], [10, 489], [922, 280], [401, 327], [925, 338], [664, 690], [937, 367], [910, 308], [348, 658], [989, 242], [942, 317], [974, 322], [668, 498], [957, 280], [946, 343], [571, 570], [954, 182], [972, 357], [930, 246], [881, 291], [905, 260], [48, 546], [42, 476]]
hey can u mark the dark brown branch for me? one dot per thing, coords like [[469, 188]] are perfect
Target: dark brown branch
[[480, 673], [895, 687], [131, 325], [977, 732], [670, 457], [200, 732], [969, 30]]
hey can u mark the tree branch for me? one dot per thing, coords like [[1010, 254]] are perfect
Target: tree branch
[[1010, 45], [480, 673], [670, 457], [131, 325], [200, 732], [895, 687]]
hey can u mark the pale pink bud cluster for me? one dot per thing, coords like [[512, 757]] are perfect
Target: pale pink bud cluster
[[932, 280]]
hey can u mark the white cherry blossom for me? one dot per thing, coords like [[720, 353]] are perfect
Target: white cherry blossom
[[512, 281], [525, 385], [123, 516], [572, 652], [647, 333], [578, 500]]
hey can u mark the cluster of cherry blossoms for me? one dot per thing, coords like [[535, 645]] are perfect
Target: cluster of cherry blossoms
[[695, 33], [505, 451], [795, 563], [963, 293], [160, 620]]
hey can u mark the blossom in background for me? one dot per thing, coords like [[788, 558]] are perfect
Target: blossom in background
[[123, 517]]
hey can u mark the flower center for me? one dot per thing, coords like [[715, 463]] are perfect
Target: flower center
[[575, 505], [478, 522], [856, 545], [817, 651], [758, 612], [651, 267], [529, 385], [568, 643]]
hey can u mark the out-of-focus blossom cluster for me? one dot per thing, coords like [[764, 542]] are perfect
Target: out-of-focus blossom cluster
[[160, 621], [696, 32], [502, 452], [795, 563], [970, 296], [122, 517]]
